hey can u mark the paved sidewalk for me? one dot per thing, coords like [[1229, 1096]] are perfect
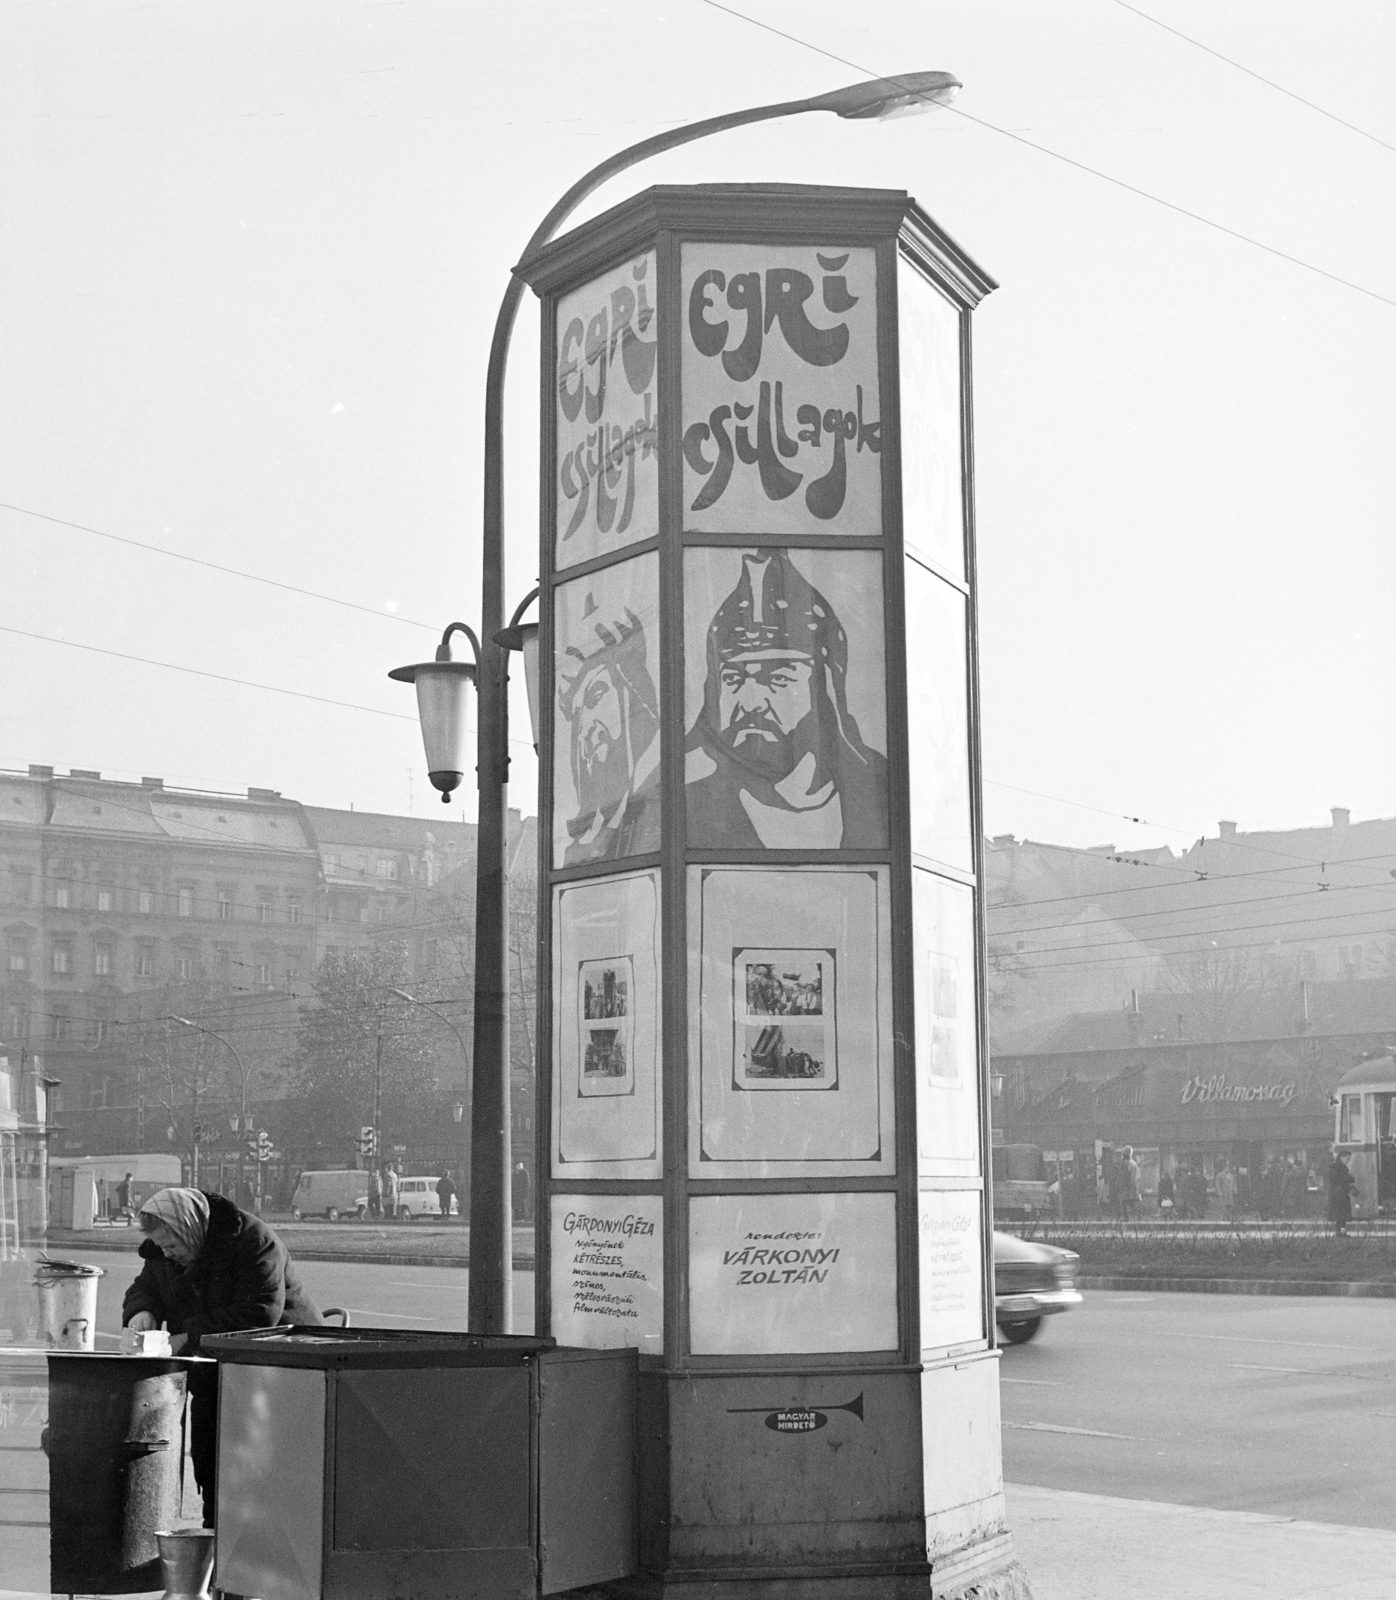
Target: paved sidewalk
[[1097, 1547]]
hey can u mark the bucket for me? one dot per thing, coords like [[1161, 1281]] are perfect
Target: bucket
[[186, 1563], [68, 1303]]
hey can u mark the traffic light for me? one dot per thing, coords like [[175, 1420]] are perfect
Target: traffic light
[[250, 1140], [198, 1133], [368, 1141], [264, 1149]]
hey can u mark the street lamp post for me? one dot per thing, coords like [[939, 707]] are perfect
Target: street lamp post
[[491, 1241], [232, 1049]]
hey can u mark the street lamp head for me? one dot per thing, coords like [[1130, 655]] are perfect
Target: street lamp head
[[902, 96], [523, 637], [442, 687], [457, 1112]]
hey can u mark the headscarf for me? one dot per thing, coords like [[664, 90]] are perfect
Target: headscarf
[[184, 1212]]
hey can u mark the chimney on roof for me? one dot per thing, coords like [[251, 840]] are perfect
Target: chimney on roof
[[83, 772], [1227, 829], [1341, 816], [1003, 839], [264, 794], [40, 772], [152, 783]]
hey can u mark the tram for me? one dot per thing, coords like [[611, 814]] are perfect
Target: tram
[[1363, 1131]]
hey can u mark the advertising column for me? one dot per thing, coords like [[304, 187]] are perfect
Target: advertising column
[[764, 1144]]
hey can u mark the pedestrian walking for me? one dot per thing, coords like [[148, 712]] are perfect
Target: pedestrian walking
[[445, 1192], [375, 1193], [1292, 1188], [390, 1190], [123, 1197], [209, 1268], [1197, 1191], [1341, 1183], [1167, 1193]]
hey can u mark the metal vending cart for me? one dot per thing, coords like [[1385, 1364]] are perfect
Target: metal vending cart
[[370, 1462]]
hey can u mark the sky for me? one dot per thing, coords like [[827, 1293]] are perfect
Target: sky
[[251, 256]]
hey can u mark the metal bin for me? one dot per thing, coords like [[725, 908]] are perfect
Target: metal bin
[[358, 1463], [114, 1462]]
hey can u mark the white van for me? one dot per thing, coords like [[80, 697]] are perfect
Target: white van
[[417, 1197], [330, 1194]]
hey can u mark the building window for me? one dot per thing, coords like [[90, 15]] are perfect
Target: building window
[[1350, 960], [264, 911], [19, 957], [96, 1093], [184, 901], [63, 896], [101, 960], [102, 1028], [59, 1025], [387, 867], [62, 959], [293, 975], [331, 862], [293, 911], [104, 899], [17, 1023], [264, 974], [21, 885], [145, 962], [380, 911], [184, 965], [225, 905], [1350, 1120], [145, 900]]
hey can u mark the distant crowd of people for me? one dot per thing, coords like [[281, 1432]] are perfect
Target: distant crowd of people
[[1283, 1188]]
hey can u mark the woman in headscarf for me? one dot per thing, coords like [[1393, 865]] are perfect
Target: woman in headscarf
[[209, 1268]]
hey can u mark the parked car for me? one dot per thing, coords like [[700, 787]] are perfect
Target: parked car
[[417, 1197], [1031, 1281], [330, 1194]]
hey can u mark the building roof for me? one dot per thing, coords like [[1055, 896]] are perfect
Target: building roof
[[382, 831]]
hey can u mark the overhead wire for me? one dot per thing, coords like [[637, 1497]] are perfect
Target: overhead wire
[[1070, 161], [1270, 83], [214, 566]]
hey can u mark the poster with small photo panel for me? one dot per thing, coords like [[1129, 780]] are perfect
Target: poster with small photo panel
[[946, 1025], [782, 414], [606, 1028], [937, 685], [785, 699], [790, 1045], [933, 519], [606, 794], [784, 1006], [607, 463], [606, 1025]]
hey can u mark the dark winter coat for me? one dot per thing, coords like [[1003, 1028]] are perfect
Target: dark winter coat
[[1341, 1183], [242, 1278]]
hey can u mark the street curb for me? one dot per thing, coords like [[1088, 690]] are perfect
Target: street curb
[[1286, 1286]]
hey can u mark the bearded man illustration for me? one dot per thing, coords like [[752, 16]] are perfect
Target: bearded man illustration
[[607, 695], [774, 758]]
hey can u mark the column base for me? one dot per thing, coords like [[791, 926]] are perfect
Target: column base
[[985, 1571]]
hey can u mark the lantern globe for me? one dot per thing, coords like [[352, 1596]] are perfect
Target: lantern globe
[[443, 692]]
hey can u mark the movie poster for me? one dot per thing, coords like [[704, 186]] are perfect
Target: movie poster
[[952, 1268], [606, 1028], [607, 1271], [785, 699], [607, 416], [933, 522], [606, 727], [947, 1038], [792, 1274], [937, 687], [782, 415], [790, 1049]]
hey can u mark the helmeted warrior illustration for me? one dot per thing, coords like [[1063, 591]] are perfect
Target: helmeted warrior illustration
[[606, 693], [774, 758]]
